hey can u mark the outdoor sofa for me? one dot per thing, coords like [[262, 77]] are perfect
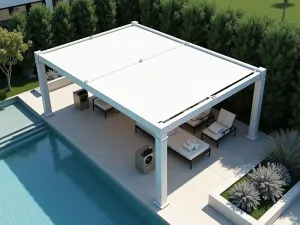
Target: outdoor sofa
[[176, 139], [220, 128]]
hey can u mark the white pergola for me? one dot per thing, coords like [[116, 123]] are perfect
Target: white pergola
[[157, 80]]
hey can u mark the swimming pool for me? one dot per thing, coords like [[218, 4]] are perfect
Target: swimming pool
[[47, 181]]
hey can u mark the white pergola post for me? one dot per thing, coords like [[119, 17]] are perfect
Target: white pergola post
[[256, 106], [49, 4], [161, 182], [43, 85]]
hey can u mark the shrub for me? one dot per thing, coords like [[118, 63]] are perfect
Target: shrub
[[245, 196], [279, 52], [38, 27], [282, 171], [267, 182], [150, 11], [61, 25], [171, 17], [247, 38], [127, 11], [222, 29], [295, 101], [18, 22], [52, 75], [196, 20], [106, 11], [285, 149], [83, 18]]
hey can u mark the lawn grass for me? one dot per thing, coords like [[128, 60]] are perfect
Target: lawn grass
[[264, 205], [19, 84], [270, 8]]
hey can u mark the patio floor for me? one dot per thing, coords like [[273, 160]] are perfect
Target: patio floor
[[111, 144]]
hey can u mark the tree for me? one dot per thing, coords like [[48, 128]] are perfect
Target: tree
[[197, 16], [83, 18], [127, 11], [60, 24], [285, 2], [18, 22], [171, 17], [12, 48], [38, 27], [150, 11], [222, 29], [106, 11], [279, 53]]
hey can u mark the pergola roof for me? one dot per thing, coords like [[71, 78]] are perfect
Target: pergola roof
[[148, 75]]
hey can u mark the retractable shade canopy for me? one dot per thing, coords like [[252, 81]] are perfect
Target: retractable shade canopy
[[153, 76]]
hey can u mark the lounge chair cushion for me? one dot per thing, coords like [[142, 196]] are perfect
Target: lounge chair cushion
[[193, 123], [216, 128], [102, 104], [226, 118], [176, 141], [201, 115], [213, 135]]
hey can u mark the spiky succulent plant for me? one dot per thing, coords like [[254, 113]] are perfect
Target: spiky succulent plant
[[52, 75], [282, 171], [245, 196], [268, 182]]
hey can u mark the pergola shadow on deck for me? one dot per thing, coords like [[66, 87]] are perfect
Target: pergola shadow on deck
[[111, 144]]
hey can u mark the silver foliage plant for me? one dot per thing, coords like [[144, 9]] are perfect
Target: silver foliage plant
[[52, 75], [245, 196], [285, 149], [268, 182], [282, 171]]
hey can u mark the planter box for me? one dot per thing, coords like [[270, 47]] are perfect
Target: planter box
[[238, 216], [56, 84]]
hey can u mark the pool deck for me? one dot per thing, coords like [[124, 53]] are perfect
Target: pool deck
[[111, 144]]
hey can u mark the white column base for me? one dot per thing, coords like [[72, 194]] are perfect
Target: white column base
[[156, 203], [252, 138], [48, 114]]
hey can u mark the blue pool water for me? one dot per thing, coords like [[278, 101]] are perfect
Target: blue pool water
[[47, 181], [14, 115]]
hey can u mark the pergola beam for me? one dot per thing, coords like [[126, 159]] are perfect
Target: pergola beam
[[210, 102]]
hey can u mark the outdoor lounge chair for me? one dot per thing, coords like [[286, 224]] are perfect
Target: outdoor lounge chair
[[201, 118], [220, 128], [102, 105], [176, 140]]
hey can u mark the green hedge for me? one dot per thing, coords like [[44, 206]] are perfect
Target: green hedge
[[171, 16], [197, 17], [61, 24], [83, 18], [255, 40]]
